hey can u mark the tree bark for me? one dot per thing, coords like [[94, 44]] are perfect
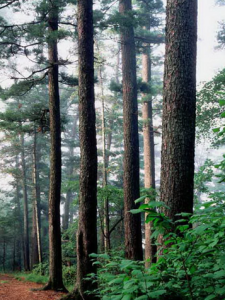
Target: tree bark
[[133, 236], [25, 199], [179, 105], [149, 150], [55, 252], [87, 226]]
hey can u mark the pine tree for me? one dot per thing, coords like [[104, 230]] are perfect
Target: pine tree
[[55, 253], [179, 104], [133, 236], [87, 227]]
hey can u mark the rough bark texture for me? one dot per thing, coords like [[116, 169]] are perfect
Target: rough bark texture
[[25, 205], [55, 252], [149, 150], [87, 227], [179, 104], [133, 238]]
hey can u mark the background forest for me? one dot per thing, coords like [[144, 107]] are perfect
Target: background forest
[[100, 192]]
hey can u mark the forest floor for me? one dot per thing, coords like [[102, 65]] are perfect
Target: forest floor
[[13, 289]]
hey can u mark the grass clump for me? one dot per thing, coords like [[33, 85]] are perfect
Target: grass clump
[[32, 277]]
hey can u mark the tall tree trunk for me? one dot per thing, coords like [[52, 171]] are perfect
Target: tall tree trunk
[[26, 220], [36, 245], [55, 251], [179, 104], [149, 150], [104, 169], [133, 236], [20, 238], [4, 255], [87, 226]]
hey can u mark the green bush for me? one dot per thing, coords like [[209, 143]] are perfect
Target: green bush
[[191, 263], [69, 275], [42, 268]]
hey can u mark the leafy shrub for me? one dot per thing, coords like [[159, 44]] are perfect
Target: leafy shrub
[[69, 275], [42, 268], [191, 262]]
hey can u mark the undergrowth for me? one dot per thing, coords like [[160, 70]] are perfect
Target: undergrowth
[[191, 264]]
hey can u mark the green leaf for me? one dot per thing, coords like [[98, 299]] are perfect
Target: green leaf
[[142, 198], [192, 269], [116, 280], [210, 297], [156, 293], [216, 129], [222, 102], [136, 211], [223, 115], [219, 274]]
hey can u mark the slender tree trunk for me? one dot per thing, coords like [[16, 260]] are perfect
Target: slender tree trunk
[[104, 170], [55, 251], [179, 104], [34, 245], [36, 249], [133, 236], [87, 226], [4, 255], [26, 220], [67, 210], [69, 193], [14, 251], [20, 239], [149, 150]]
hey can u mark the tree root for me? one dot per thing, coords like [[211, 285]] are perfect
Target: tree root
[[75, 295]]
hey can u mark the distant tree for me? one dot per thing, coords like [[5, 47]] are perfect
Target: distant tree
[[133, 236], [149, 11]]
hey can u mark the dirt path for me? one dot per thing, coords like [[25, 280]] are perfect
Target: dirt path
[[12, 289]]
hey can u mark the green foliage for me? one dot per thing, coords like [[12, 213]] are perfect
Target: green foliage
[[202, 177], [40, 274], [69, 275], [210, 109], [41, 269], [191, 262], [32, 277]]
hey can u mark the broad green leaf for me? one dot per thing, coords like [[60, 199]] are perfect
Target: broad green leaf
[[157, 293], [216, 130], [219, 274], [222, 102], [144, 297], [136, 211], [142, 198]]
